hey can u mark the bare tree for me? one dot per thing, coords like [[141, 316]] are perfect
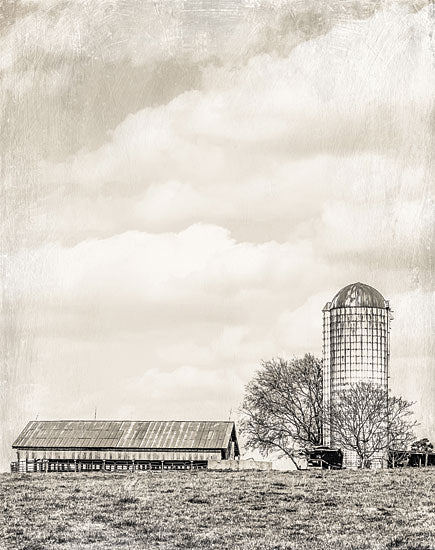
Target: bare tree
[[282, 408], [365, 419]]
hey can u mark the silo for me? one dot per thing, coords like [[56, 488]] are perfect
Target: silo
[[356, 347]]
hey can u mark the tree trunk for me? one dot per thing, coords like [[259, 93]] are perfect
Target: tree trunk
[[363, 461]]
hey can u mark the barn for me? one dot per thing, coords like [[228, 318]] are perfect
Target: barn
[[96, 445]]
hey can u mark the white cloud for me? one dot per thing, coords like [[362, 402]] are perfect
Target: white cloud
[[136, 268], [259, 139]]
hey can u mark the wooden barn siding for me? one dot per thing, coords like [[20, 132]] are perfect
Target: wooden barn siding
[[29, 454], [230, 451]]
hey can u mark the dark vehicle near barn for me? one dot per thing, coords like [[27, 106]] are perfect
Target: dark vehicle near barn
[[325, 458]]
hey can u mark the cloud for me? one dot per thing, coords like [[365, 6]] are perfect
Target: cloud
[[249, 120], [200, 263], [100, 60]]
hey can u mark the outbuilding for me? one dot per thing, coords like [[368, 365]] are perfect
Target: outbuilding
[[96, 445]]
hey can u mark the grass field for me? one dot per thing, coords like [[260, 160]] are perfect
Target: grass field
[[219, 510]]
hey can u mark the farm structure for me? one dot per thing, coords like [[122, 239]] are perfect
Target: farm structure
[[356, 348], [332, 459], [400, 459], [103, 445]]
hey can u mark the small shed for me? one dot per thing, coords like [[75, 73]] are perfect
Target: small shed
[[415, 459], [83, 445]]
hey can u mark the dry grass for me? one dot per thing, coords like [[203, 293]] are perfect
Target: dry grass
[[219, 510]]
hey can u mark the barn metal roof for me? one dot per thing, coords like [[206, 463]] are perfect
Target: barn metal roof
[[127, 434]]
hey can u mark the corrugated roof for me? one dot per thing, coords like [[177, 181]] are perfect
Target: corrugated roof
[[126, 434]]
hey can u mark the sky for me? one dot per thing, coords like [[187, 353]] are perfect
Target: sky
[[185, 184]]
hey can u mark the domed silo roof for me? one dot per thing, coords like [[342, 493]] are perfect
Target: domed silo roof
[[358, 295]]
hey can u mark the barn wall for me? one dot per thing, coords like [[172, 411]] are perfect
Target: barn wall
[[30, 454]]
